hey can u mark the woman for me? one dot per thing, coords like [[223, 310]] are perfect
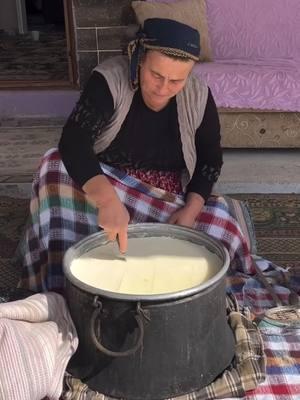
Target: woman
[[141, 145]]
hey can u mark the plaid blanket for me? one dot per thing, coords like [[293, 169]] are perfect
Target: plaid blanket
[[60, 216], [281, 344], [267, 362], [247, 371]]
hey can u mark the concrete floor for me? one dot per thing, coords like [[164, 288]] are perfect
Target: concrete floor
[[24, 140], [260, 171], [244, 171]]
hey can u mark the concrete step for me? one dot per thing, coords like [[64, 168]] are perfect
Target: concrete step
[[244, 171], [260, 171], [23, 140]]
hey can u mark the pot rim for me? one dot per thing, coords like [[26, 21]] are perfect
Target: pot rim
[[140, 230]]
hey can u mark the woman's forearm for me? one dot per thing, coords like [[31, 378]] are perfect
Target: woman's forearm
[[194, 204], [99, 190]]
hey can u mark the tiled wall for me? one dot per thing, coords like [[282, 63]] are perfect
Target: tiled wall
[[102, 29]]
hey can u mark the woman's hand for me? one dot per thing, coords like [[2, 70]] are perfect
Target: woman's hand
[[113, 216], [187, 215], [182, 217]]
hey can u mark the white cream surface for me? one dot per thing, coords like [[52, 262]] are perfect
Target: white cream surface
[[153, 265]]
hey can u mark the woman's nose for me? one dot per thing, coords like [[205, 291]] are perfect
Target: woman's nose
[[162, 86]]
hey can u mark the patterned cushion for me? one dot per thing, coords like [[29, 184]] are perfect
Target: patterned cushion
[[254, 29], [190, 12], [248, 85]]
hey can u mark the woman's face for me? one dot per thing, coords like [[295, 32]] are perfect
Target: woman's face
[[161, 78]]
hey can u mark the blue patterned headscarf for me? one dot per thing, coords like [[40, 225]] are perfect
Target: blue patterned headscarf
[[166, 35]]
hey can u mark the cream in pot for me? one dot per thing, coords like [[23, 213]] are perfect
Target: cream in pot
[[153, 265]]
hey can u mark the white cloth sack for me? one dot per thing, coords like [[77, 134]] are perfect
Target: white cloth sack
[[37, 340]]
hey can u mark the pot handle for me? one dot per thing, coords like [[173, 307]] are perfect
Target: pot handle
[[99, 345]]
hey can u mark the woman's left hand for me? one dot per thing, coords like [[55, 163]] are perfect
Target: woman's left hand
[[187, 215], [182, 217]]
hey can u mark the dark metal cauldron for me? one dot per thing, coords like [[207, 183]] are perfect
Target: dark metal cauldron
[[150, 346]]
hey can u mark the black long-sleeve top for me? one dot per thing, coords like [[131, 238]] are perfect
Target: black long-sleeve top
[[148, 139]]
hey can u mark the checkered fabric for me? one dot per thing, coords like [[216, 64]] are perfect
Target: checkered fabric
[[267, 357], [60, 216], [247, 371], [281, 380], [281, 344]]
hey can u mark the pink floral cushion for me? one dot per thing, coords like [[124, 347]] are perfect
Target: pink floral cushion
[[252, 85], [254, 29], [256, 53]]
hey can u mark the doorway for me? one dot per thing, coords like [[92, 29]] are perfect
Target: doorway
[[37, 46]]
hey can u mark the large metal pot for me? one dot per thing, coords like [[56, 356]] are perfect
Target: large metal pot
[[150, 346]]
